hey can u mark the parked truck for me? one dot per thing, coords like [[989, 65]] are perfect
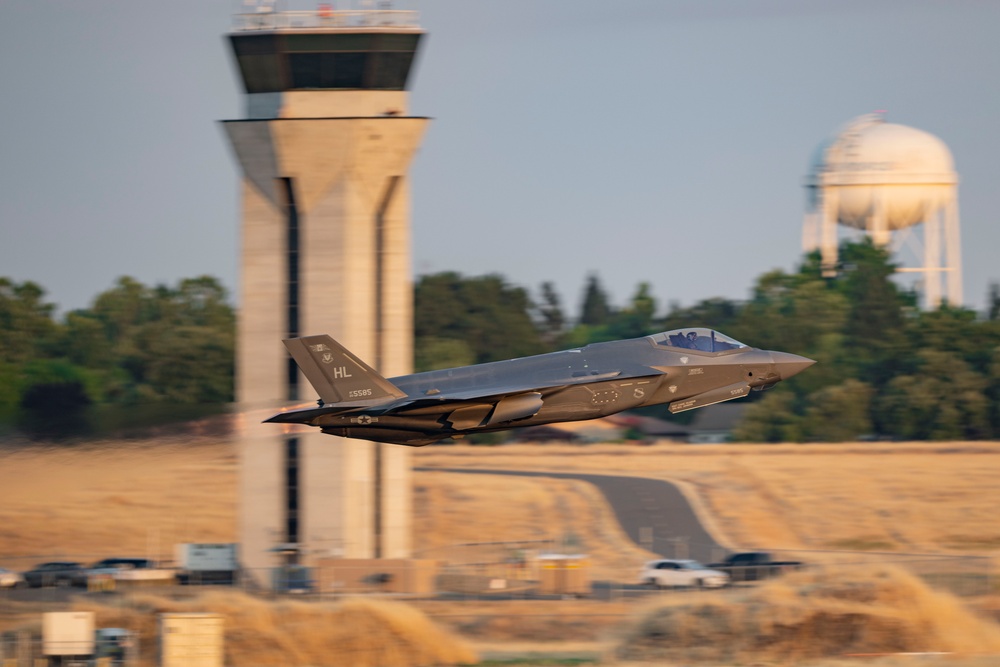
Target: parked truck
[[207, 564], [754, 566]]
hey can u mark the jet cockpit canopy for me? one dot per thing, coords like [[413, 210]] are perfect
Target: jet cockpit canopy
[[697, 338]]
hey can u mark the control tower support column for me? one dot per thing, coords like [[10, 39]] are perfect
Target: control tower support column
[[325, 151]]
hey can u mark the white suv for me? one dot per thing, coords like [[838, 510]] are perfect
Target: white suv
[[674, 573]]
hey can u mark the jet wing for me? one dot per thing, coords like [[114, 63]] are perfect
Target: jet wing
[[492, 393], [467, 408], [442, 392]]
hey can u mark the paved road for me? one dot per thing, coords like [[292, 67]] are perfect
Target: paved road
[[653, 513]]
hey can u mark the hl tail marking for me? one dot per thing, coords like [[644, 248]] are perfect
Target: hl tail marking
[[337, 375]]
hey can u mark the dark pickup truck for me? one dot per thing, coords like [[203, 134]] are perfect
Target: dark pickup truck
[[754, 566]]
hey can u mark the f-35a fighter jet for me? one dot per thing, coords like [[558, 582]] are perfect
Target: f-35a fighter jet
[[686, 368]]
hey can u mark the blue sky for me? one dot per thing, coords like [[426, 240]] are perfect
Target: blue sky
[[646, 140]]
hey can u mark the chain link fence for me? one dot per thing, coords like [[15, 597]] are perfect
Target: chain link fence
[[525, 569], [480, 572]]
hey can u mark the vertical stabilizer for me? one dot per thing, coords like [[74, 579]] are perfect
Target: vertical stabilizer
[[337, 375]]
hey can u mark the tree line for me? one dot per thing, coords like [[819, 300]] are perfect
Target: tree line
[[887, 370], [135, 349]]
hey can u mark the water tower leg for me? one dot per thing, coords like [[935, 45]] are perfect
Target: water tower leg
[[953, 249], [878, 222], [828, 233], [932, 260], [810, 232]]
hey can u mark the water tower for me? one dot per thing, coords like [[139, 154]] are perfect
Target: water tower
[[898, 185]]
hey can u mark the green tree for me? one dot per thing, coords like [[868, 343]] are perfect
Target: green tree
[[190, 364], [491, 317], [158, 345], [85, 341], [716, 313], [799, 313], [993, 392], [596, 310], [435, 353], [54, 397], [637, 319], [202, 301], [128, 304], [993, 304], [551, 316], [945, 399], [956, 330], [26, 326], [10, 391], [773, 419], [876, 322], [839, 412]]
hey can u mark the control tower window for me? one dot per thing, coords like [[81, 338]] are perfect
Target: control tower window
[[273, 63], [391, 70]]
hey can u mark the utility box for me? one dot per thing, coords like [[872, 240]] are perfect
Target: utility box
[[114, 647], [68, 633], [563, 575], [208, 563], [292, 579], [191, 640]]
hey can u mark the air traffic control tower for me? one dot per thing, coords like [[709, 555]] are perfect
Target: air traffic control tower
[[324, 150]]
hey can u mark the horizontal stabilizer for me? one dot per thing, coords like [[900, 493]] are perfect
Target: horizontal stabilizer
[[305, 416], [337, 375], [738, 390]]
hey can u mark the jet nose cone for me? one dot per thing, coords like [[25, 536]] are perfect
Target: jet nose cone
[[788, 365]]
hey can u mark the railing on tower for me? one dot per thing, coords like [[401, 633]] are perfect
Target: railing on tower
[[266, 18]]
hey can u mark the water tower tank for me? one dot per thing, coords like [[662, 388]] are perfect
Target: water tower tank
[[883, 178], [872, 163]]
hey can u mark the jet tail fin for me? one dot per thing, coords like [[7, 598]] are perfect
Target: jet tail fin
[[337, 375]]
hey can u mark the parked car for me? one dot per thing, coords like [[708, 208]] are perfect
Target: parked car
[[128, 569], [123, 564], [754, 566], [668, 573], [10, 578], [55, 573]]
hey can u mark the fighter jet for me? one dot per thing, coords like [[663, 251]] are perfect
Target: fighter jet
[[685, 368]]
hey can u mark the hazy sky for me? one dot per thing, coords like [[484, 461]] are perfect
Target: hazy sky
[[647, 140]]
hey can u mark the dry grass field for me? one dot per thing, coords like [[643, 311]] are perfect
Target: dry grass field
[[96, 500], [916, 497], [134, 498], [112, 498]]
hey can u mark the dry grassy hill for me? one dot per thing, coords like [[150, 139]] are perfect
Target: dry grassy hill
[[103, 499]]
